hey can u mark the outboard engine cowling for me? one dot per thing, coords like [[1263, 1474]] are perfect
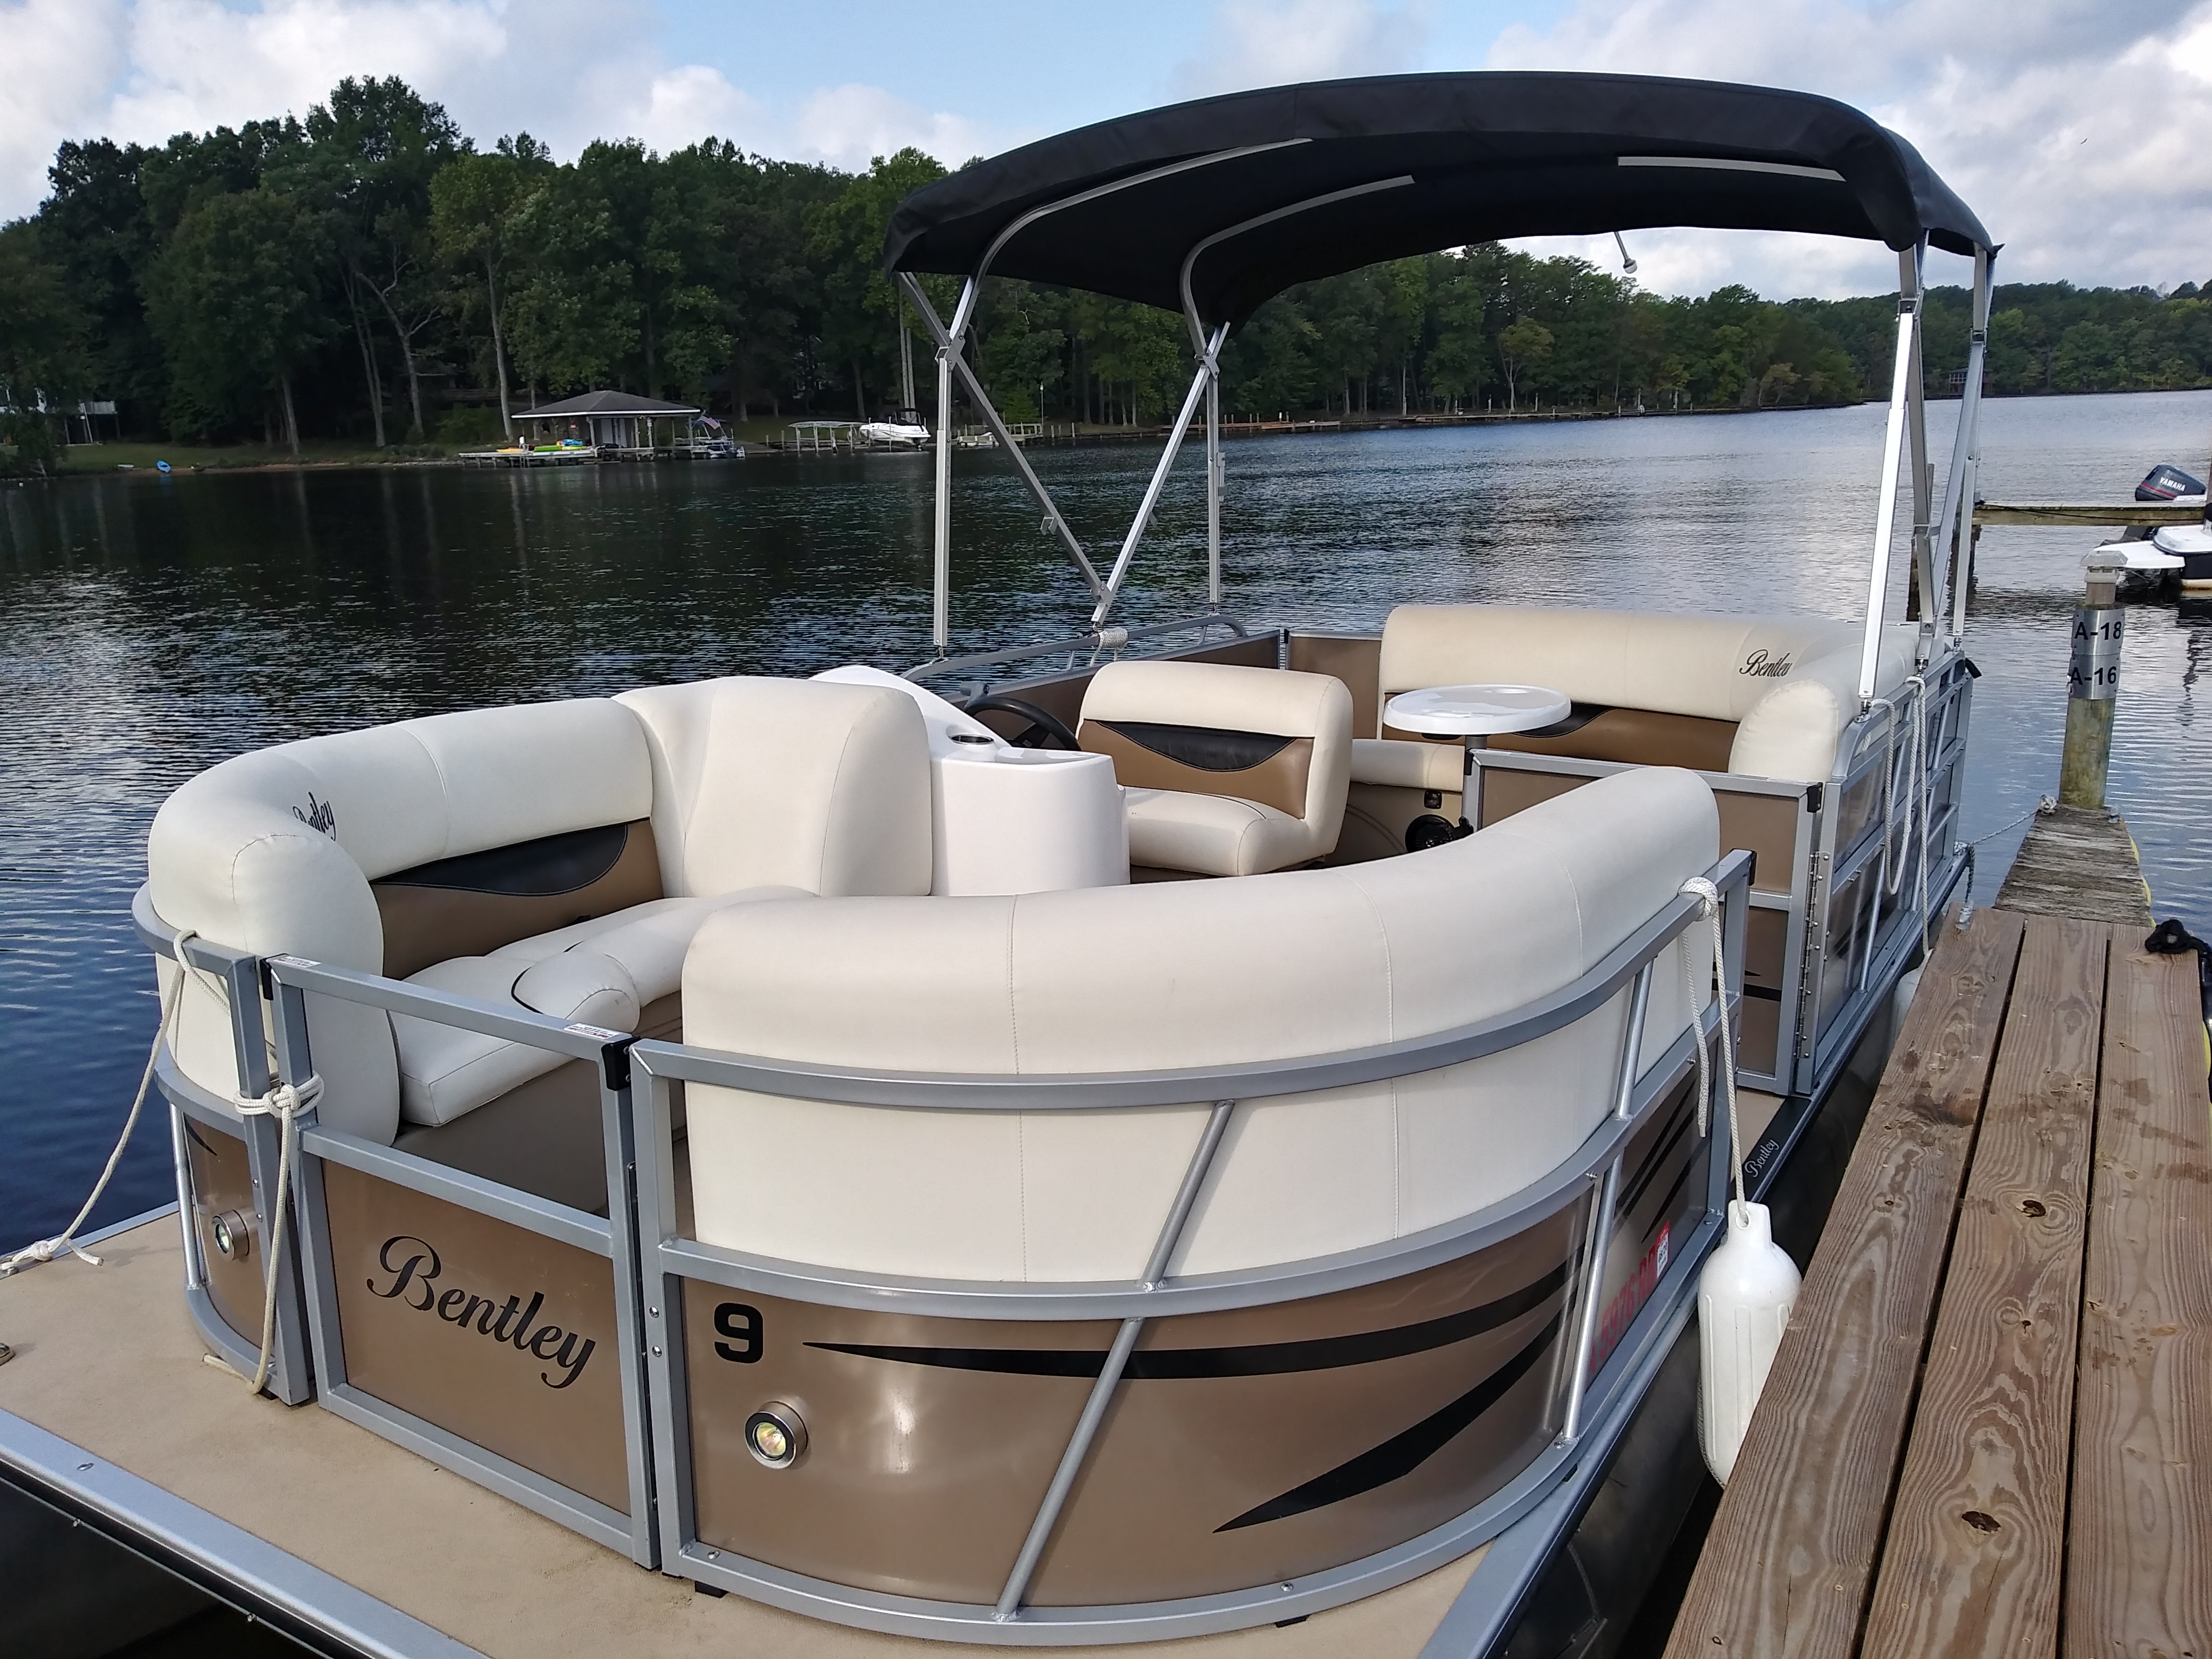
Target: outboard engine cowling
[[2169, 482]]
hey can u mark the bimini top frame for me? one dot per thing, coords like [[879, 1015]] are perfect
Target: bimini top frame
[[1211, 208]]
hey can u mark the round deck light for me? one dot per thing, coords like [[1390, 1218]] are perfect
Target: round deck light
[[775, 1435], [233, 1237]]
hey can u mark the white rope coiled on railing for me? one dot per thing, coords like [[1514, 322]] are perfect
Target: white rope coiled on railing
[[284, 1102], [1709, 906], [1918, 807]]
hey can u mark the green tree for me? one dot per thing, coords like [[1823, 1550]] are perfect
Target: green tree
[[473, 198], [1525, 343], [44, 364], [375, 149], [236, 299], [858, 317]]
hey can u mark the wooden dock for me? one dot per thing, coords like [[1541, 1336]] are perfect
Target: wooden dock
[[2078, 861], [1989, 1428]]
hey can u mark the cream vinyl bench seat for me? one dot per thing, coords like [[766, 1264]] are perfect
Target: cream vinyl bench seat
[[1230, 770], [553, 857], [1765, 696]]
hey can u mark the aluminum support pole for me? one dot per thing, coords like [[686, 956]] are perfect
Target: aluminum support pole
[[1109, 1374], [1959, 521], [1924, 539], [948, 352], [1198, 383], [1885, 520], [1054, 520], [1212, 482], [906, 368]]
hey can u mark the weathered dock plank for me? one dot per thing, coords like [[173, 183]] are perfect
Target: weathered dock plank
[[2067, 513], [2139, 1573], [1972, 1561], [1792, 1549], [2078, 861]]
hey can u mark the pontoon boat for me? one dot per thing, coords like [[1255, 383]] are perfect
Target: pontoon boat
[[1145, 1135]]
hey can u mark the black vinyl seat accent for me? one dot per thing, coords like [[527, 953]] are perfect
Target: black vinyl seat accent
[[1578, 715], [529, 869], [1202, 748]]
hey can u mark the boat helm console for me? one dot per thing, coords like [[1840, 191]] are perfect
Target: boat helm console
[[1022, 1152]]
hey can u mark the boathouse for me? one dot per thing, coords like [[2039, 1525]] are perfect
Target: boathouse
[[609, 420]]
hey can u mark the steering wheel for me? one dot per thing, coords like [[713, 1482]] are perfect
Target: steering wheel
[[1043, 727]]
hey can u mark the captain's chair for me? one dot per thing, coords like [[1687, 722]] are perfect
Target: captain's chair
[[1231, 771]]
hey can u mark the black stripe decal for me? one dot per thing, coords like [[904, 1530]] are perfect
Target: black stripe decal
[[1402, 1453], [1256, 1359], [1647, 1171]]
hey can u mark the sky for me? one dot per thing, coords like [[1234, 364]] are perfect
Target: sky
[[2076, 128]]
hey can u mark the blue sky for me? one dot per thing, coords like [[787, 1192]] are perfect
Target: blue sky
[[2075, 127]]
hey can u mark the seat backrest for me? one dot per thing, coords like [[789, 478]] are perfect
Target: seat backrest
[[761, 782], [1789, 683], [276, 851], [1184, 973], [1262, 734]]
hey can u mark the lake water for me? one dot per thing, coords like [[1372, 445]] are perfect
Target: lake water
[[150, 627]]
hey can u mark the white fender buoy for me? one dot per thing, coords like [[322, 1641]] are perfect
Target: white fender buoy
[[1744, 1297], [1907, 989]]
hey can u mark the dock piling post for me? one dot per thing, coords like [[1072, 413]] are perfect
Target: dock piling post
[[2092, 684]]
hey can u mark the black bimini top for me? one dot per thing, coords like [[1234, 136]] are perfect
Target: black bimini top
[[1258, 190]]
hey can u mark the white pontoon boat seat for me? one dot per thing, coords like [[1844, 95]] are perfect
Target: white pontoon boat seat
[[1183, 974], [1764, 696], [556, 856], [1231, 771]]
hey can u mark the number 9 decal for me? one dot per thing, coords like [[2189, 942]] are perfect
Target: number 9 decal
[[742, 1325]]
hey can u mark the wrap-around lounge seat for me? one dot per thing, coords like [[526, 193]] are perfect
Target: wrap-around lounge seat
[[556, 857], [1272, 967]]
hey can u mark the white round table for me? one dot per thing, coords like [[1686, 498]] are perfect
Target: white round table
[[1476, 711]]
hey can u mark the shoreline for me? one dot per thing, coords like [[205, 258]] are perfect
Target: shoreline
[[255, 458]]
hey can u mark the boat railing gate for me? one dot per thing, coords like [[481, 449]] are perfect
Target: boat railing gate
[[1834, 897], [500, 1241], [211, 1218], [1591, 1178]]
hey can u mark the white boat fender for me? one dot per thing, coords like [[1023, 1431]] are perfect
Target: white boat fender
[[1907, 989], [1749, 1284], [1745, 1294]]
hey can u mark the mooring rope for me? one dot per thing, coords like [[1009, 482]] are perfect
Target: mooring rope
[[64, 1242], [284, 1102], [1709, 905]]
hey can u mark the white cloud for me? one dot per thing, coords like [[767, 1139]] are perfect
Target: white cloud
[[681, 105], [2070, 128], [1267, 42], [848, 125], [567, 71], [62, 57]]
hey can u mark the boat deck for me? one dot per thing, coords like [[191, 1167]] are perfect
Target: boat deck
[[1989, 1428], [106, 1359]]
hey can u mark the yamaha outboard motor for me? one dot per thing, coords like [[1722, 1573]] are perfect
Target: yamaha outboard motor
[[2169, 482]]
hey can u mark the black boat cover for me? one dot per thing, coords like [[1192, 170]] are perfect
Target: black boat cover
[[1395, 165]]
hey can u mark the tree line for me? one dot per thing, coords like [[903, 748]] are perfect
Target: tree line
[[368, 274]]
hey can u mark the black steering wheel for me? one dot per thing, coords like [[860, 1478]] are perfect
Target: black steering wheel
[[1043, 727]]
